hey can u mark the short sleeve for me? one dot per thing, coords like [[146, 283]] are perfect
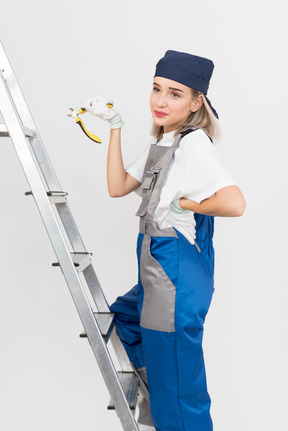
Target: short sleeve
[[136, 168], [205, 173]]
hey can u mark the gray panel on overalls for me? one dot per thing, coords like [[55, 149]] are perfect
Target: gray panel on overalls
[[162, 298]]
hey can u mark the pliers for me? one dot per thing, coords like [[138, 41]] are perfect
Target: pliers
[[75, 114]]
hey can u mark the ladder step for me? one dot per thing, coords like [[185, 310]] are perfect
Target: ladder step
[[81, 260], [27, 132], [55, 197], [105, 322], [129, 382]]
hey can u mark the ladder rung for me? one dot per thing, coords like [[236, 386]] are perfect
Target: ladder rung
[[81, 261], [27, 132], [129, 382], [105, 322]]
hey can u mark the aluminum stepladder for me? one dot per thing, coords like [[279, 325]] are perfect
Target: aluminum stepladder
[[73, 259]]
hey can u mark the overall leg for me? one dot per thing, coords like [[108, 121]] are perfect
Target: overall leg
[[127, 326], [128, 330], [194, 293], [177, 294]]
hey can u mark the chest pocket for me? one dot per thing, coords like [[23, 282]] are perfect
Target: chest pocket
[[149, 180]]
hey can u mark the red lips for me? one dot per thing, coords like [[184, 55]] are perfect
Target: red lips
[[160, 114]]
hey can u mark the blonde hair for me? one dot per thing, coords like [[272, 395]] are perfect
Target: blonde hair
[[202, 118]]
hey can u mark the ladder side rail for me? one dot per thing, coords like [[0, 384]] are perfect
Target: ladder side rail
[[96, 290], [25, 116], [36, 144], [44, 163], [40, 159], [120, 352], [75, 286], [77, 245], [70, 227], [14, 89]]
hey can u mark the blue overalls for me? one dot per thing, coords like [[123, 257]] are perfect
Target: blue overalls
[[160, 320]]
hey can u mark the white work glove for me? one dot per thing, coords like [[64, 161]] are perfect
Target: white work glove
[[98, 106], [176, 209]]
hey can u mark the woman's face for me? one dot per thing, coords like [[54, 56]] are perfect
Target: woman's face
[[171, 103]]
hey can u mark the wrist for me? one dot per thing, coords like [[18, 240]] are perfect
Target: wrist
[[188, 204], [181, 203], [116, 122], [176, 209], [115, 132]]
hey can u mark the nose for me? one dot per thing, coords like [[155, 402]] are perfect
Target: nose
[[161, 100]]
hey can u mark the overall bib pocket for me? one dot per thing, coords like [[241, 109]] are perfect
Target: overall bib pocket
[[149, 180]]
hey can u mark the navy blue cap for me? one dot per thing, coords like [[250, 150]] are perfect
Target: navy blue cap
[[188, 69]]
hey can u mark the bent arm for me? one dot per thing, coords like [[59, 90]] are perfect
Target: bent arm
[[119, 182], [228, 202]]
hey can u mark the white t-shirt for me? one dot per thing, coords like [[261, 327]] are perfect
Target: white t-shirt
[[195, 173]]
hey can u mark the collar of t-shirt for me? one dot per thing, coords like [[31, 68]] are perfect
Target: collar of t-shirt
[[167, 139]]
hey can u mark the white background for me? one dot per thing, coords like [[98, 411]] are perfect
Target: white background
[[68, 51]]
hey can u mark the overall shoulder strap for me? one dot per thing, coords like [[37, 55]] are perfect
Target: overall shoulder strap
[[186, 132], [181, 135], [192, 129]]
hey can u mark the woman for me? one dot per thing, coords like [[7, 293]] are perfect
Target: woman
[[183, 186]]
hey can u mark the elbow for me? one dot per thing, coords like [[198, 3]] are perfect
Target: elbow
[[239, 208], [115, 194], [238, 203]]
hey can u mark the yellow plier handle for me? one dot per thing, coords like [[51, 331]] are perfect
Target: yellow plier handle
[[81, 124]]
